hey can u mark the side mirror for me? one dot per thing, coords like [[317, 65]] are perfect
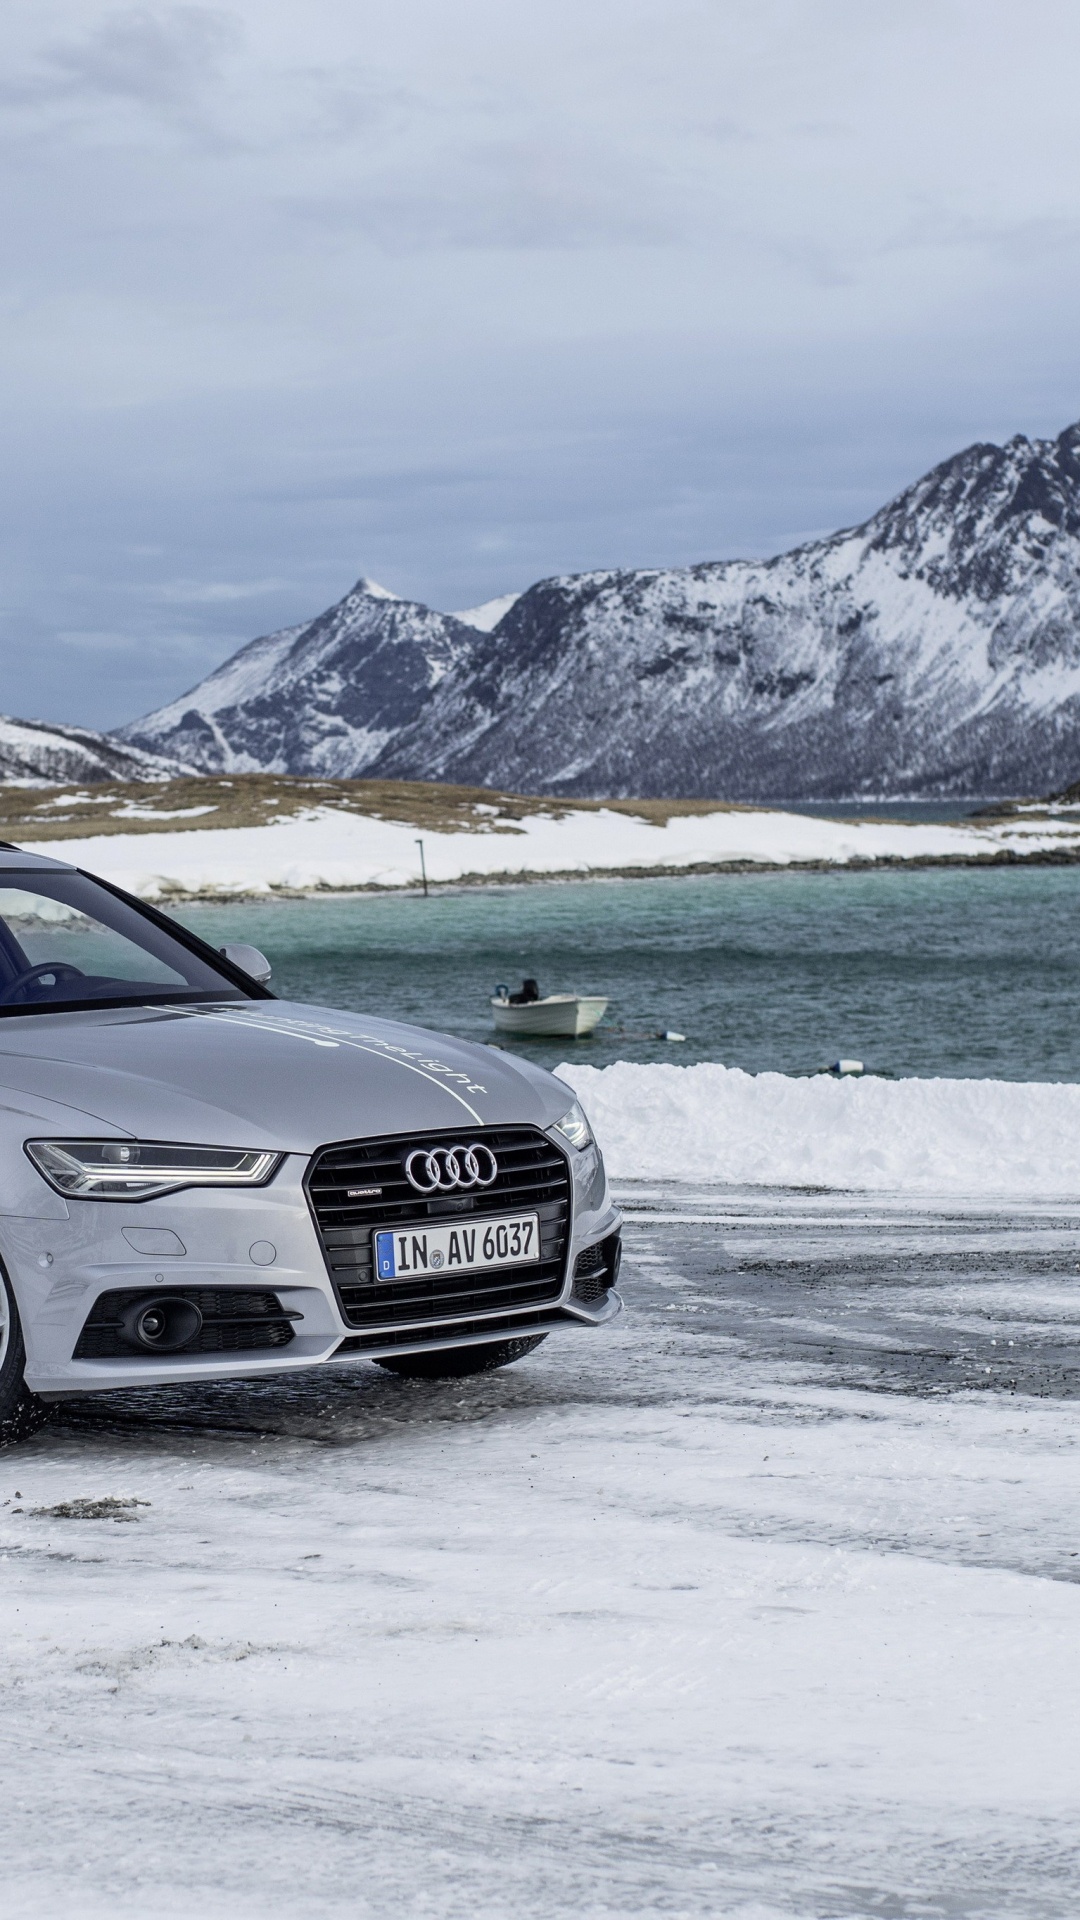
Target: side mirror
[[250, 960]]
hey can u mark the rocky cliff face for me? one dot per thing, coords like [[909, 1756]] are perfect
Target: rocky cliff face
[[934, 650]]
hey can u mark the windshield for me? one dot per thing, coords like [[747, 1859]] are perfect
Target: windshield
[[65, 941]]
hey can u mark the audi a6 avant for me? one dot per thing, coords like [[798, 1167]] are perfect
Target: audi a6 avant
[[200, 1181]]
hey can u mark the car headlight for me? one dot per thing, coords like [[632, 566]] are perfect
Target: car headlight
[[574, 1127], [135, 1169]]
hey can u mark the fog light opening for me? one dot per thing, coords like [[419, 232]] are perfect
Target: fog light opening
[[161, 1325]]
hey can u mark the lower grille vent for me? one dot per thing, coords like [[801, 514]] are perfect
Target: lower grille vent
[[597, 1269], [234, 1320], [412, 1336], [361, 1185]]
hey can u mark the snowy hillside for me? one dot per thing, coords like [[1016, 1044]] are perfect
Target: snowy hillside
[[32, 753], [933, 650]]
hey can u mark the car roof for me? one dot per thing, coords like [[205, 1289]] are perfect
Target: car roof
[[16, 860]]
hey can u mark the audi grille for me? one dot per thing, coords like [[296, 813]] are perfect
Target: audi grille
[[360, 1185]]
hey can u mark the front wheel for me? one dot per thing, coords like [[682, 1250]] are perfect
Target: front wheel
[[21, 1412], [456, 1362]]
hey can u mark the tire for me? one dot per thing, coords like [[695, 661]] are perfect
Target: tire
[[21, 1412], [456, 1362]]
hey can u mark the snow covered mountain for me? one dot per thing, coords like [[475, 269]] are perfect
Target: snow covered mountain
[[324, 698], [934, 650], [33, 753]]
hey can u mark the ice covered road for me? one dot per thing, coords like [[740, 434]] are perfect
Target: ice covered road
[[766, 1602]]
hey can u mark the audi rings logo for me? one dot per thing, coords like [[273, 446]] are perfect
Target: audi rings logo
[[441, 1169]]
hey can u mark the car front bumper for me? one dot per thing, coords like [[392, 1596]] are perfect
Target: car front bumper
[[62, 1262]]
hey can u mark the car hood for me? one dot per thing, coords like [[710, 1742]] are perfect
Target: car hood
[[268, 1074]]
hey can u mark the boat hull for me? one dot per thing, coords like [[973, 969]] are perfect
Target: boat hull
[[565, 1016]]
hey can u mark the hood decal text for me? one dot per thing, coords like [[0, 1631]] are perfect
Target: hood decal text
[[320, 1034]]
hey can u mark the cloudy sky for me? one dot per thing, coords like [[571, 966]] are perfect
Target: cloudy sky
[[459, 293]]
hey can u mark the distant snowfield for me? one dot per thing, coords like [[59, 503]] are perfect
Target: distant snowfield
[[329, 849], [716, 1123]]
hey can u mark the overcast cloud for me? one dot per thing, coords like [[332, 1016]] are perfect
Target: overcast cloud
[[459, 293]]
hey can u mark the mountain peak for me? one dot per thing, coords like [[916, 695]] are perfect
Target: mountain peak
[[328, 695], [373, 590]]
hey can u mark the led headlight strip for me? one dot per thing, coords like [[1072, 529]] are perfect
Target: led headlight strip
[[135, 1169]]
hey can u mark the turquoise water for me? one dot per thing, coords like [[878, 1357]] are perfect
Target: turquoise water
[[937, 972]]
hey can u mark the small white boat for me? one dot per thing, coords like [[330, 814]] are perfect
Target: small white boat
[[568, 1015]]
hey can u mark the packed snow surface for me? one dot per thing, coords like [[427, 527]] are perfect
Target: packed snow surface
[[331, 849], [713, 1122], [760, 1605]]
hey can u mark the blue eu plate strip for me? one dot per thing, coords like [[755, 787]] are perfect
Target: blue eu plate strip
[[385, 1265]]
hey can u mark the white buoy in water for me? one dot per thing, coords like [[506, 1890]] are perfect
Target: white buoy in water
[[840, 1067]]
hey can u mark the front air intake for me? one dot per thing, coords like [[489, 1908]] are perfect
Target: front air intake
[[596, 1270]]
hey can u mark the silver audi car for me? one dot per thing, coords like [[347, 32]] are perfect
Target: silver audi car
[[199, 1181]]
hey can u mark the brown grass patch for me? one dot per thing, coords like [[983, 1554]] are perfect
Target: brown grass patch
[[257, 799]]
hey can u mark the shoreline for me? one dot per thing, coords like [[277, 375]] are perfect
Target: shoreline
[[733, 869], [328, 850]]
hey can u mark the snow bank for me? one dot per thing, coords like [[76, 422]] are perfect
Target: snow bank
[[330, 849], [992, 1137]]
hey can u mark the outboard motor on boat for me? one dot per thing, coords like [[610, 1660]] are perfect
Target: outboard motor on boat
[[529, 992]]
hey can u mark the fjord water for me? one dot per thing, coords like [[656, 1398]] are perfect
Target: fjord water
[[935, 972]]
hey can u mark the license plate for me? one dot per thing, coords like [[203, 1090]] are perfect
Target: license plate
[[410, 1253]]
